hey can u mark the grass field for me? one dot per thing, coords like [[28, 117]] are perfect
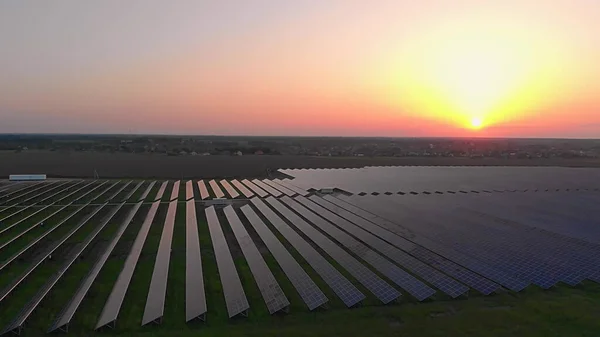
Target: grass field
[[561, 311]]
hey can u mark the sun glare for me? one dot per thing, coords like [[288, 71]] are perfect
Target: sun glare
[[476, 123], [472, 78]]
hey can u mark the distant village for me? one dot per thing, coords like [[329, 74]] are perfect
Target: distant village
[[307, 146]]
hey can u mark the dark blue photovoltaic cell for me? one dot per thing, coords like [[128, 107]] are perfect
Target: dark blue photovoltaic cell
[[343, 288], [469, 262], [271, 292], [370, 280], [235, 297], [403, 279], [464, 275], [308, 290]]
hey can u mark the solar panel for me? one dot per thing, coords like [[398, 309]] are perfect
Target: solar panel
[[189, 190], [308, 290], [381, 289], [64, 318], [161, 191], [22, 209], [195, 299], [36, 188], [175, 191], [135, 188], [259, 191], [291, 186], [155, 302], [403, 279], [147, 191], [477, 240], [469, 262], [542, 267], [10, 186], [22, 189], [216, 189], [17, 323], [6, 291], [464, 275], [279, 187], [267, 284], [267, 188], [245, 191], [114, 195], [32, 227], [235, 298], [45, 207], [343, 288], [115, 299], [446, 284], [203, 191], [232, 192]]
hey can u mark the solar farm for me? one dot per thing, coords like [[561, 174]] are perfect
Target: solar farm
[[116, 256]]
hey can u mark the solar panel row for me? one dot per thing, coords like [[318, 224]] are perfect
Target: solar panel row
[[257, 190], [117, 192], [203, 191], [472, 263], [245, 191], [267, 188], [291, 187], [345, 290], [460, 273], [113, 304], [36, 190], [64, 318], [17, 322], [22, 189], [6, 291], [175, 191], [158, 284], [216, 189], [271, 292], [195, 299], [147, 191], [161, 191], [230, 190], [133, 190], [308, 290], [43, 208], [235, 298], [280, 188], [446, 284], [475, 244], [35, 226], [403, 279], [189, 190], [155, 301], [381, 289]]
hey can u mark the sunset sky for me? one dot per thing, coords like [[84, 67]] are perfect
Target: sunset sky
[[512, 68]]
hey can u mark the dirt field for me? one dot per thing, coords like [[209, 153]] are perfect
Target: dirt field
[[123, 165]]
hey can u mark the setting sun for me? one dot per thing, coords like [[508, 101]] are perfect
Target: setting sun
[[476, 123]]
